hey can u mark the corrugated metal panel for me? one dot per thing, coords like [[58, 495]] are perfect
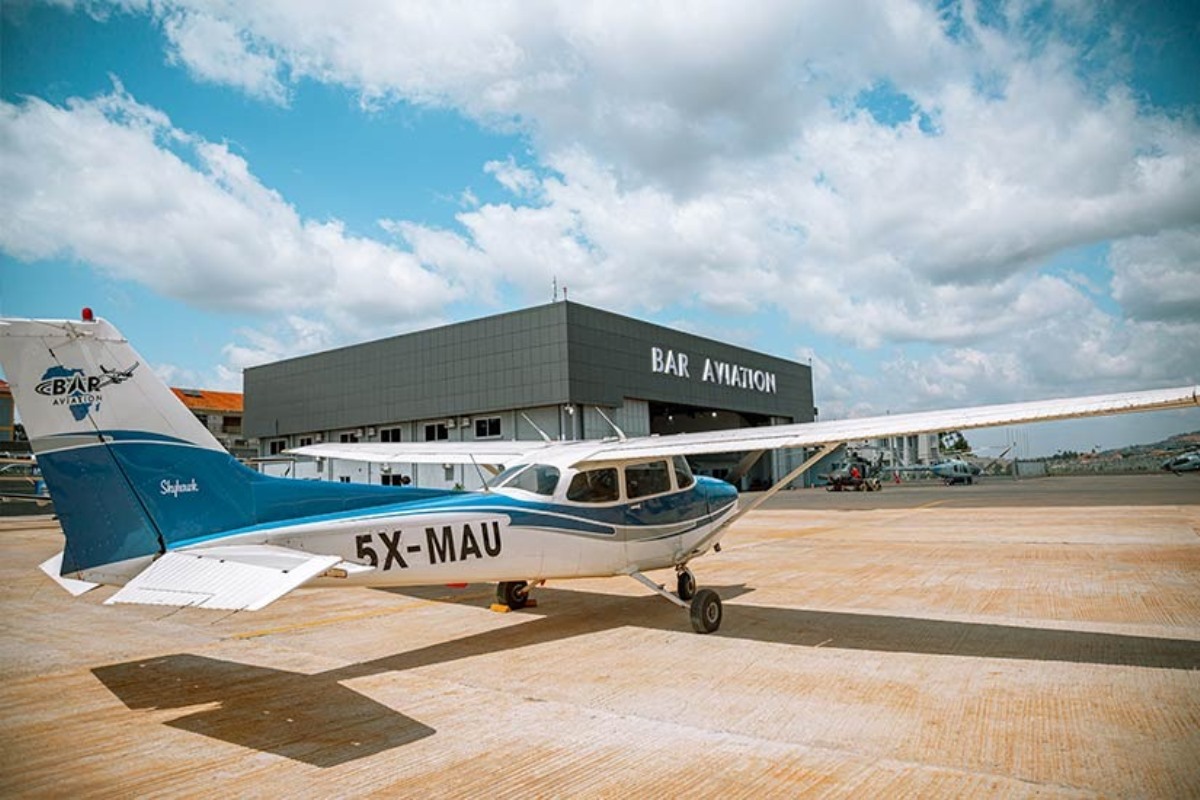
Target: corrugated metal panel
[[207, 400], [233, 578]]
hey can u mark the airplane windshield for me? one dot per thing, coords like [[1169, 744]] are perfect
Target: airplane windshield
[[535, 478]]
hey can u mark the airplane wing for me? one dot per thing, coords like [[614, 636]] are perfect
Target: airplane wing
[[233, 577], [803, 434], [813, 434], [443, 452]]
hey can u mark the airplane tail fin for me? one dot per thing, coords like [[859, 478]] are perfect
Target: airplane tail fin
[[131, 470]]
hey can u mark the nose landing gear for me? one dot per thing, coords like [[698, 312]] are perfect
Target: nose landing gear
[[705, 607]]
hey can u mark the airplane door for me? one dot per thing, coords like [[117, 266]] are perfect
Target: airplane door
[[653, 503]]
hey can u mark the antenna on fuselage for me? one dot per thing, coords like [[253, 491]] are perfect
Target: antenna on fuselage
[[482, 480]]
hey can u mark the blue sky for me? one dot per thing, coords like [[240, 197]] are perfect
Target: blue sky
[[937, 204]]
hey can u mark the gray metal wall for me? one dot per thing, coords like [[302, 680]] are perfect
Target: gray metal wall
[[561, 353], [514, 360], [611, 359]]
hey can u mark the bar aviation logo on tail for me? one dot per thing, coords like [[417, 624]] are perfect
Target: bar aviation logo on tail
[[77, 390]]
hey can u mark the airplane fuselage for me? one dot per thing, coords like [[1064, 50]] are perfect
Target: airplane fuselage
[[495, 536]]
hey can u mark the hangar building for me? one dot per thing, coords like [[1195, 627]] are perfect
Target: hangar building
[[558, 368]]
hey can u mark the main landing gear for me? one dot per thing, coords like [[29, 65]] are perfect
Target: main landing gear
[[705, 606], [514, 595]]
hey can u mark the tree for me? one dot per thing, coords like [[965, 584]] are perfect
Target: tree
[[953, 442]]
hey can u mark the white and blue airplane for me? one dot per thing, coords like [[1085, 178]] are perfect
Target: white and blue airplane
[[150, 501]]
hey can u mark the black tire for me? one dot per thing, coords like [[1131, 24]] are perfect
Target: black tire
[[685, 585], [514, 594], [706, 611]]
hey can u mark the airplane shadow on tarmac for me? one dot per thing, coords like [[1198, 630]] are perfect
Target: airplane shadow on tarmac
[[317, 720]]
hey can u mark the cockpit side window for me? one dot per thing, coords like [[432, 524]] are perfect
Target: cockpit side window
[[594, 486], [538, 478], [642, 480], [683, 472], [506, 476]]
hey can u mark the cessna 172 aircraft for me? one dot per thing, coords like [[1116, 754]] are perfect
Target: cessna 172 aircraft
[[149, 500]]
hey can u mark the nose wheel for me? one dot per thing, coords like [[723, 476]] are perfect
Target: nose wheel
[[706, 611], [705, 606]]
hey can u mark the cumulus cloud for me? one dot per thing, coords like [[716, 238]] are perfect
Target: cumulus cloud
[[215, 50], [112, 182], [1158, 277], [682, 155]]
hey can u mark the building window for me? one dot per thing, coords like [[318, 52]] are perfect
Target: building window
[[389, 435], [348, 438], [487, 428], [344, 479], [396, 480], [306, 441], [232, 424], [277, 446], [436, 431]]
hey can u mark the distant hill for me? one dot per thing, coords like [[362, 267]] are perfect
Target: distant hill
[[1131, 458]]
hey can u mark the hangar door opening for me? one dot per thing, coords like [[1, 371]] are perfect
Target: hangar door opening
[[668, 418]]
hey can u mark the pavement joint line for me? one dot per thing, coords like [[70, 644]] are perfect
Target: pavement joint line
[[318, 623]]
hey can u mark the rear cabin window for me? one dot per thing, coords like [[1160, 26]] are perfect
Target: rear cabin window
[[683, 472], [642, 480], [594, 486]]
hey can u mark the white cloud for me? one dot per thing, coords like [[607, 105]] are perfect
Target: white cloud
[[697, 155], [111, 182], [215, 50], [1158, 277]]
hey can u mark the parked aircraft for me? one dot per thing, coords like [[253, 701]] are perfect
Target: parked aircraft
[[952, 471], [151, 502], [21, 481], [1187, 462], [855, 474]]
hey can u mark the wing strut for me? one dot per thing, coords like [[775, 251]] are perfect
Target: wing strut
[[745, 465], [782, 482]]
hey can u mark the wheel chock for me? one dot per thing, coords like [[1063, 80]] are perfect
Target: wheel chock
[[500, 608]]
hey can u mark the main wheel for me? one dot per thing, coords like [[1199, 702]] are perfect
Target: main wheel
[[685, 585], [706, 611], [514, 594]]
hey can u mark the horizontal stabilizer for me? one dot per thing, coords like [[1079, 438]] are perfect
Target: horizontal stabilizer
[[233, 577], [53, 568]]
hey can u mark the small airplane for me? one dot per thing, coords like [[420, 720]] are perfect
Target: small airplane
[[1187, 462], [151, 502], [118, 375]]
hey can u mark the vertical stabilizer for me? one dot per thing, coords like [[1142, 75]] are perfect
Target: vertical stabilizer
[[131, 470], [88, 402]]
